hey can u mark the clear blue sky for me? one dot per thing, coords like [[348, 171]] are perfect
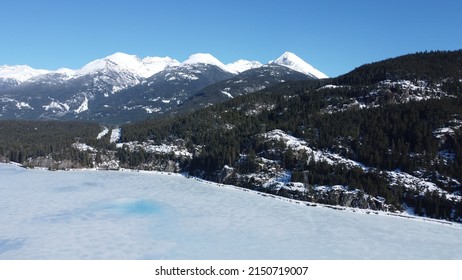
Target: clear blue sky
[[335, 36]]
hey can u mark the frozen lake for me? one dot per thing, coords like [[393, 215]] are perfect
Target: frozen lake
[[138, 215]]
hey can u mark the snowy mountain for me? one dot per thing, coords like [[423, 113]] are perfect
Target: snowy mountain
[[122, 62], [20, 73], [242, 65], [204, 59], [11, 76], [294, 62], [156, 64], [246, 82], [130, 69], [160, 94], [131, 87]]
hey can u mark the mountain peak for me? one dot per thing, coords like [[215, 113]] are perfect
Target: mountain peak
[[102, 63], [141, 67], [158, 60], [120, 56], [294, 62], [65, 71], [20, 73], [242, 65], [204, 58]]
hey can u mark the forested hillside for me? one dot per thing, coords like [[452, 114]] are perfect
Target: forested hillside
[[434, 65], [43, 142]]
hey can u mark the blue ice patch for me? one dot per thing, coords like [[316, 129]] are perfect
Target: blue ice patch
[[133, 207], [141, 207], [11, 244]]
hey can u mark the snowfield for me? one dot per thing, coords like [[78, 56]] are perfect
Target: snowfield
[[146, 215]]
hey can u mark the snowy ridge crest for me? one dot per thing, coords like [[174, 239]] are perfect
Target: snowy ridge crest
[[242, 65], [294, 62], [131, 63], [204, 58], [20, 73], [149, 66]]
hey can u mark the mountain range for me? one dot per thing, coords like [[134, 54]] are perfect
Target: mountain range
[[124, 88]]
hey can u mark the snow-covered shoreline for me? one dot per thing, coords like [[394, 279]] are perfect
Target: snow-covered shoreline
[[402, 215]]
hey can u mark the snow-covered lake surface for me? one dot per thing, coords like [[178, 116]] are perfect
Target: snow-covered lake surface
[[140, 215]]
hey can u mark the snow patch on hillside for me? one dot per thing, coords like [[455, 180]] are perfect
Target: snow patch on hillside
[[151, 147], [412, 182], [298, 145], [330, 87], [83, 147], [115, 135], [103, 133], [227, 94], [23, 105], [151, 110], [56, 105], [83, 107]]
